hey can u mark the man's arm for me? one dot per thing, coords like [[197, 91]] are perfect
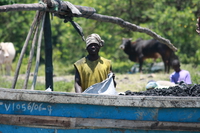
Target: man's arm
[[171, 79], [188, 79], [77, 83], [115, 84]]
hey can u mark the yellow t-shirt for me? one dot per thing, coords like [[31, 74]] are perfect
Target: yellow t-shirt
[[92, 72]]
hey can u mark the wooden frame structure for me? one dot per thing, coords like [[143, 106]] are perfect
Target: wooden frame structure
[[64, 9], [60, 112]]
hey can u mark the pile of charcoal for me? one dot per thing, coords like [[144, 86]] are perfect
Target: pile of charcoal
[[179, 90]]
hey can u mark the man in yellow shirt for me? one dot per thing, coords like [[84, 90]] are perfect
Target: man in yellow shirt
[[92, 68]]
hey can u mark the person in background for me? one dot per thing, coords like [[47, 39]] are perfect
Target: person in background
[[198, 25], [93, 68], [179, 75]]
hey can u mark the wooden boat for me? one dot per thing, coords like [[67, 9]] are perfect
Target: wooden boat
[[59, 112]]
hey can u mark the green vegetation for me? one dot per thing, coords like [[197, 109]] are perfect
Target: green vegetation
[[125, 81], [172, 19], [61, 86]]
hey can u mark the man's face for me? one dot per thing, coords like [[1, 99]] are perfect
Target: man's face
[[93, 48], [176, 68]]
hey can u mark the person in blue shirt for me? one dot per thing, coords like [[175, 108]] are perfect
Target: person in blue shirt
[[179, 74]]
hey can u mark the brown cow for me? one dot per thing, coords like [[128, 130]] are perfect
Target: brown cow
[[141, 49]]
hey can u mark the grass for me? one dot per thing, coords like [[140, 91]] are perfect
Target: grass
[[125, 81], [61, 86], [137, 82]]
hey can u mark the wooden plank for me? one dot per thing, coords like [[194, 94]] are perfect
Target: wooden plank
[[13, 107], [145, 125], [104, 100], [79, 123], [34, 121]]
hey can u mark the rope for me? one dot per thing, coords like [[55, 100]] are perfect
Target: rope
[[58, 7], [44, 5]]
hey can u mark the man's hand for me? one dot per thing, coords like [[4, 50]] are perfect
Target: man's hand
[[115, 84]]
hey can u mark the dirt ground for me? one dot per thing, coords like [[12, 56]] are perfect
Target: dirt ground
[[132, 82], [137, 82]]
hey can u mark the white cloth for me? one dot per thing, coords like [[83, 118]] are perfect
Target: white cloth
[[94, 38], [104, 87]]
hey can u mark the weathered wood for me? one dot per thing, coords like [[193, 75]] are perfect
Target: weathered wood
[[23, 7], [73, 123], [104, 100], [24, 49], [31, 54], [104, 18], [38, 53], [128, 124], [38, 110], [35, 120], [132, 27]]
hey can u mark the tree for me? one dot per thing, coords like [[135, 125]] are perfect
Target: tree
[[172, 19]]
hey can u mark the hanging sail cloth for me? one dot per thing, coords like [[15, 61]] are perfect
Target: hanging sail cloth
[[74, 11], [80, 11], [76, 26], [72, 8]]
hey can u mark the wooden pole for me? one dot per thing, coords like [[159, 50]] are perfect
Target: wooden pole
[[31, 54], [38, 53], [50, 7], [23, 50], [48, 52]]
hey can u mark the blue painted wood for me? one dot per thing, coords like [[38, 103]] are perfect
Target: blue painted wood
[[20, 129], [99, 111], [179, 114]]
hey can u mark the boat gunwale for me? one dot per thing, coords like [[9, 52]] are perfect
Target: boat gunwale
[[95, 99]]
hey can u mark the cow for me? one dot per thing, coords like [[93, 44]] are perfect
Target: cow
[[141, 49], [7, 54]]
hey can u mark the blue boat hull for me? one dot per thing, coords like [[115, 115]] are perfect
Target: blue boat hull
[[21, 129], [58, 112]]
